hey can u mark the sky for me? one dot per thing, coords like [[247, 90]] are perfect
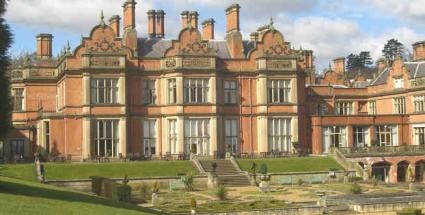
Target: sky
[[331, 28]]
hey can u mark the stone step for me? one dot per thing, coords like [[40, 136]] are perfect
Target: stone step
[[234, 181]]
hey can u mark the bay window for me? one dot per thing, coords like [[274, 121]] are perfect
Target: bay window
[[196, 90], [197, 136], [280, 135], [279, 91], [106, 138], [104, 91]]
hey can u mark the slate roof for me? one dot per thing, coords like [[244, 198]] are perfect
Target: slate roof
[[382, 77], [416, 69], [155, 48]]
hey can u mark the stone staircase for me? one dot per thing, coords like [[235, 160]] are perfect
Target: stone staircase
[[227, 174]]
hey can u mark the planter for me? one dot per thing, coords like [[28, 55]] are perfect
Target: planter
[[265, 177]]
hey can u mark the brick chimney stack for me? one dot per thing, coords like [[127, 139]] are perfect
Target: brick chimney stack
[[44, 46], [339, 65], [419, 51], [114, 22], [160, 24], [194, 19], [208, 29], [151, 23], [129, 19], [185, 18], [232, 18], [308, 55], [253, 37]]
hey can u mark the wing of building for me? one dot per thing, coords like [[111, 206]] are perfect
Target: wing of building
[[118, 95]]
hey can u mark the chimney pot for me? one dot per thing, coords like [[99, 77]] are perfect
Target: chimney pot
[[114, 22], [44, 46], [151, 23], [160, 24], [419, 51], [208, 29], [185, 17], [232, 18], [194, 19], [129, 17]]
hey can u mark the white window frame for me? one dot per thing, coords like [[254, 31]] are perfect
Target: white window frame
[[149, 92], [230, 91], [372, 107], [18, 99], [196, 90], [149, 137], [172, 90], [197, 132], [386, 135], [418, 103], [101, 137], [400, 105], [361, 133], [398, 83], [46, 126], [279, 91], [172, 136], [419, 135], [334, 136], [109, 91], [280, 134], [344, 108]]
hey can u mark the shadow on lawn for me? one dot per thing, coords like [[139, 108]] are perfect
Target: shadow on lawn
[[35, 191]]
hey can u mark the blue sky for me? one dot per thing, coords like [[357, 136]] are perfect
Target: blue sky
[[331, 28]]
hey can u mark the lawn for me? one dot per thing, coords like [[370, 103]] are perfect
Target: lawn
[[24, 197], [111, 170], [296, 164]]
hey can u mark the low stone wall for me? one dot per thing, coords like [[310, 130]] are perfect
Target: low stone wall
[[285, 211], [84, 185], [384, 207], [310, 177]]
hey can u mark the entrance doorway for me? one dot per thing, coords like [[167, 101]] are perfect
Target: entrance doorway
[[381, 171], [419, 170], [402, 173]]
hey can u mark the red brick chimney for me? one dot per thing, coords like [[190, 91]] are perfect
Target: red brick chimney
[[308, 55], [208, 29], [114, 22], [382, 64], [339, 65], [129, 19], [253, 37], [185, 17], [44, 46], [419, 51], [151, 23], [232, 18], [194, 19], [160, 26]]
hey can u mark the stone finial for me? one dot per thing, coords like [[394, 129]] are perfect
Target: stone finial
[[68, 48], [102, 18], [271, 26]]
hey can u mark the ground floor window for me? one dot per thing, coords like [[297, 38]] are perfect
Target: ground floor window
[[149, 137], [419, 136], [106, 138], [386, 135], [280, 135], [360, 136], [334, 136], [172, 136], [197, 136], [17, 148], [231, 133]]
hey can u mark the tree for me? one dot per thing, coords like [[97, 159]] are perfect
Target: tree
[[365, 59], [392, 49], [5, 43], [361, 60]]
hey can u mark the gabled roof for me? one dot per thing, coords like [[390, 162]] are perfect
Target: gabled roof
[[382, 77], [416, 69]]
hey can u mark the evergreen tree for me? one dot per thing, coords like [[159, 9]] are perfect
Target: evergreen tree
[[365, 59], [392, 49], [5, 42], [355, 61]]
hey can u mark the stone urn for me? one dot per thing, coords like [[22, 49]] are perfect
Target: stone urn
[[264, 184]]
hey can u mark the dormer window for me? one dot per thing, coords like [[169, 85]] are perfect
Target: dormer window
[[398, 83]]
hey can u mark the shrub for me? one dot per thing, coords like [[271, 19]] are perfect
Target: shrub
[[253, 168], [96, 184], [144, 191], [263, 169], [375, 181], [121, 192], [355, 189], [125, 180], [410, 211], [193, 203], [108, 187], [300, 182], [221, 192], [188, 182]]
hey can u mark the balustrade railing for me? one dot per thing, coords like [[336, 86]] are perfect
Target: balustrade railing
[[383, 150]]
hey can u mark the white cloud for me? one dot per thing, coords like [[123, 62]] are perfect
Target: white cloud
[[413, 10]]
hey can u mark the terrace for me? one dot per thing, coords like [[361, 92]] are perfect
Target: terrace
[[379, 151]]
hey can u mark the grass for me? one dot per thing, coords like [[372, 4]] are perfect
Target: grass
[[111, 170], [24, 197], [297, 164]]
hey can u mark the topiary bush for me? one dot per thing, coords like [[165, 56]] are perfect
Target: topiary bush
[[263, 169], [355, 189], [121, 192], [188, 182], [221, 193]]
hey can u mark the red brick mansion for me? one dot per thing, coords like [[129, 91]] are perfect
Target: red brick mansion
[[122, 96]]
